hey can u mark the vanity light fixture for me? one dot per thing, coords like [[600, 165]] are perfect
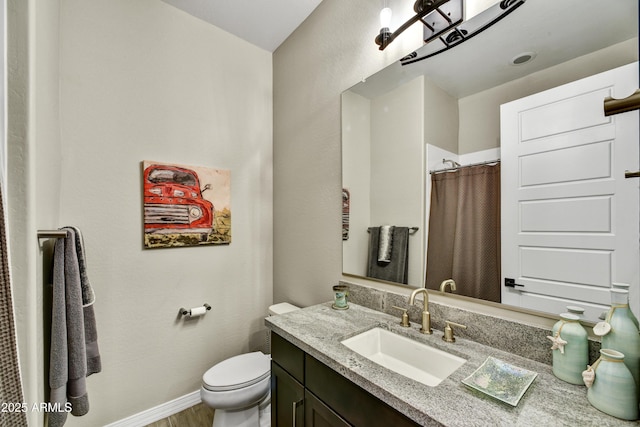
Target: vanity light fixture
[[444, 25], [436, 15]]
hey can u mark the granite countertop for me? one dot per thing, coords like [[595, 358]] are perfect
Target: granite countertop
[[319, 329]]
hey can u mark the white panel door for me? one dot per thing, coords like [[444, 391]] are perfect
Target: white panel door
[[570, 219]]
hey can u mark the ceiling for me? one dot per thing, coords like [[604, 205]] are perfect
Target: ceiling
[[263, 23]]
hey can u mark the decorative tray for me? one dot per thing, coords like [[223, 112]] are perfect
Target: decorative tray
[[501, 380]]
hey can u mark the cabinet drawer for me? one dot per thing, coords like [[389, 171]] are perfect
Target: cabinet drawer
[[354, 404], [288, 356]]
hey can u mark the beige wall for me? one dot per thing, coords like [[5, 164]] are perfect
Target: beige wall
[[382, 157], [356, 150], [330, 52], [112, 83], [441, 118], [397, 164]]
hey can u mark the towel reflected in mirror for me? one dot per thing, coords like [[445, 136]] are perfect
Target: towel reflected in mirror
[[393, 266]]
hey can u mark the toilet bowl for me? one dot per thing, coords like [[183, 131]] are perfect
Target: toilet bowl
[[238, 388], [235, 387]]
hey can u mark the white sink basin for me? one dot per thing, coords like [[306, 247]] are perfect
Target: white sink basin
[[405, 356]]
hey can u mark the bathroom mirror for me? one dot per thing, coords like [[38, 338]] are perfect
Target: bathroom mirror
[[400, 123]]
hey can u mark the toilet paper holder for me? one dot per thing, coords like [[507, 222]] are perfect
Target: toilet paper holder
[[196, 311]]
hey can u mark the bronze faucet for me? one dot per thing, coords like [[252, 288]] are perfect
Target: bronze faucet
[[426, 317]]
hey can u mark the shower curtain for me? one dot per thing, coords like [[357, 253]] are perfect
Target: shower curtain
[[10, 384], [464, 231]]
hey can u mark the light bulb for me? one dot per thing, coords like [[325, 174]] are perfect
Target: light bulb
[[385, 17]]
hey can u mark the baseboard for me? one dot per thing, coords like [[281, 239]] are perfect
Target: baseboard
[[159, 412]]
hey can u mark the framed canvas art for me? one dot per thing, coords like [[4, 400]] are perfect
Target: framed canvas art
[[185, 205]]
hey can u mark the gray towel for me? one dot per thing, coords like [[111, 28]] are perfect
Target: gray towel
[[398, 269], [72, 333], [94, 364], [385, 243]]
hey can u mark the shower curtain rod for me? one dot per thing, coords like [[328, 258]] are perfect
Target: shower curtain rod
[[488, 162]]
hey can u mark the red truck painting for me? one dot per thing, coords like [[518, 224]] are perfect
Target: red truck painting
[[173, 202]]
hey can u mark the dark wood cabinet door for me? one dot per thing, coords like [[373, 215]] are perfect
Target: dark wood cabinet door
[[317, 414], [287, 399]]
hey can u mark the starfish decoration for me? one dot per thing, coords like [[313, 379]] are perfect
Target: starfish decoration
[[558, 343]]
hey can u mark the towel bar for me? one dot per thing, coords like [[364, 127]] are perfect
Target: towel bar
[[411, 229], [52, 234]]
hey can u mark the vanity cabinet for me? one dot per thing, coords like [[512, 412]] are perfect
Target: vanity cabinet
[[307, 391]]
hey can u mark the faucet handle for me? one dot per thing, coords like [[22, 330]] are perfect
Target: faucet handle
[[448, 331], [405, 317]]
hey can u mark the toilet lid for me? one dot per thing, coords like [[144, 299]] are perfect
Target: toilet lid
[[238, 372]]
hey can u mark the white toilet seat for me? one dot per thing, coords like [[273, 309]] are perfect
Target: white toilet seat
[[238, 372]]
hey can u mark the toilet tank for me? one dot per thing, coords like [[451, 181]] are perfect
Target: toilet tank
[[281, 308], [275, 309]]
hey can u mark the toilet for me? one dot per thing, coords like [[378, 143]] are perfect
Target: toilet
[[238, 388]]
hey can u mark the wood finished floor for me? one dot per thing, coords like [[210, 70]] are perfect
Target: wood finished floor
[[196, 416]]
